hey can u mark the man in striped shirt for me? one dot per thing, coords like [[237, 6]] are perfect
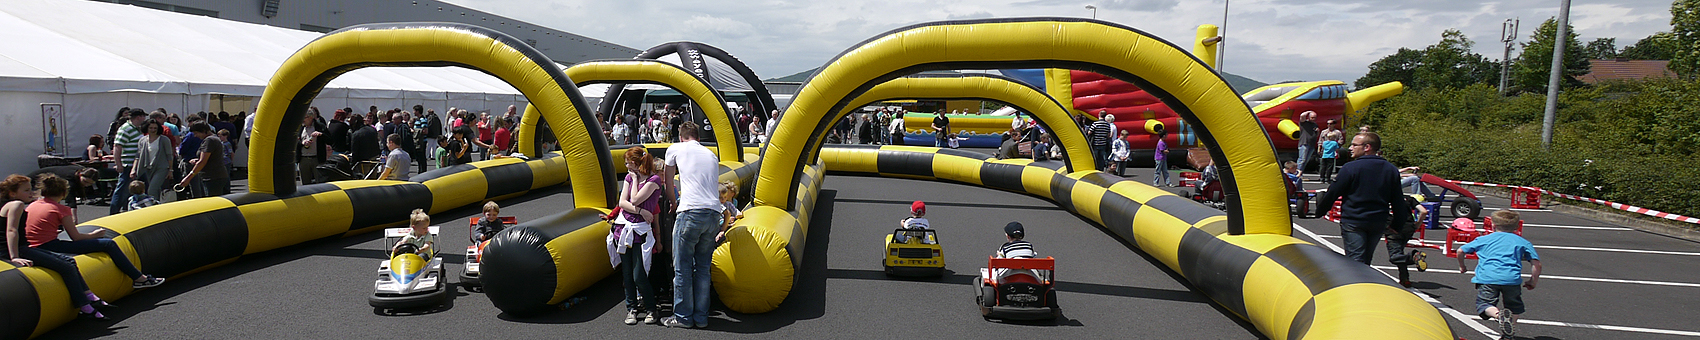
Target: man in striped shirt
[[124, 149], [1101, 132]]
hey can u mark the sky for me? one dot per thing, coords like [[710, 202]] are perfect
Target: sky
[[1268, 40]]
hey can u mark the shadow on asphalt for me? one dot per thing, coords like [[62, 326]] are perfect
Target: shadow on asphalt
[[808, 293]]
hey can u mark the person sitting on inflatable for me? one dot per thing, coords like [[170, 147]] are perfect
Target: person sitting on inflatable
[[421, 238]]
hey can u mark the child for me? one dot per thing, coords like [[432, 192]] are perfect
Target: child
[[1330, 146], [917, 220], [1160, 157], [1291, 169], [953, 141], [1017, 247], [1400, 232], [420, 238], [1119, 152], [139, 196], [1500, 269], [729, 197], [489, 224]]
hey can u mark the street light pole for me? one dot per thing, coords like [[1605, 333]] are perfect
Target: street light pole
[[1557, 73], [1221, 49], [1508, 35], [1094, 11]]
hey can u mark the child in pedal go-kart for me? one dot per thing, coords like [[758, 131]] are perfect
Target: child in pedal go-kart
[[917, 220], [421, 238]]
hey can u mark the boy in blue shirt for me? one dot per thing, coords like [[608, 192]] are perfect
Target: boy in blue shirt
[[1500, 269]]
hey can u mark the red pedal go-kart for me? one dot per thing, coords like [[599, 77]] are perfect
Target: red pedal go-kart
[[1465, 204], [1018, 289], [469, 275]]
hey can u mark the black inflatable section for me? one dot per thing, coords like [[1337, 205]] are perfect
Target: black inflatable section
[[1003, 176], [1216, 268], [190, 242], [19, 309], [901, 163], [1322, 269], [507, 179], [518, 272], [441, 172], [764, 99], [386, 204], [241, 199]]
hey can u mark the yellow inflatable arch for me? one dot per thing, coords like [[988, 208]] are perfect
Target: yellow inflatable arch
[[1198, 94], [1025, 97], [306, 72], [652, 72]]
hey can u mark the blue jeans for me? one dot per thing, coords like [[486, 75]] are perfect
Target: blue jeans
[[97, 245], [636, 278], [693, 253], [62, 264], [121, 194], [1160, 176], [1359, 238], [1100, 156], [1304, 156]]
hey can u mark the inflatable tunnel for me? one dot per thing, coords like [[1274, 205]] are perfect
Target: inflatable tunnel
[[648, 72], [714, 68], [185, 237], [1024, 97], [1244, 260]]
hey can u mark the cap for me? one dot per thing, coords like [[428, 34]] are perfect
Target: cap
[[1014, 229], [918, 207]]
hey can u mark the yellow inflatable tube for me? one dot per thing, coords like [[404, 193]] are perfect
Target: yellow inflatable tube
[[650, 72]]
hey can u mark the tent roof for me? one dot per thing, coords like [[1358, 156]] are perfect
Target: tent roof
[[75, 46]]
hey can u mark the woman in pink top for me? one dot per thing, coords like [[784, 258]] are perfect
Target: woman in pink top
[[47, 217]]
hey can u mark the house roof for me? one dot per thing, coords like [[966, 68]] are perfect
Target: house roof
[[1622, 69]]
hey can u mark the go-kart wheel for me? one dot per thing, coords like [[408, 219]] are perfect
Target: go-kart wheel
[[988, 298], [1051, 299], [1466, 207]]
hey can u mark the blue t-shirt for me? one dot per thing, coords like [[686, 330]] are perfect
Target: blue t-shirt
[[1329, 148], [1502, 255]]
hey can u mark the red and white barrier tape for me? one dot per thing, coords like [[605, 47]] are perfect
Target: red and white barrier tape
[[1614, 205]]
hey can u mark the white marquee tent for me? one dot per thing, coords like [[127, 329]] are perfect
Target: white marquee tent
[[95, 57]]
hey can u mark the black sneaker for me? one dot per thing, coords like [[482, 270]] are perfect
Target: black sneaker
[[148, 281], [1422, 260], [92, 316]]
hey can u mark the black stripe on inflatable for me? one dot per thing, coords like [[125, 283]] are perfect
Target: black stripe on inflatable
[[241, 199], [899, 163], [1322, 269], [1102, 180], [185, 243], [1216, 267], [554, 226], [1062, 191], [519, 274], [23, 306], [1002, 176], [387, 204], [506, 179], [1117, 212], [442, 172], [765, 98], [1302, 320], [1184, 209], [964, 154]]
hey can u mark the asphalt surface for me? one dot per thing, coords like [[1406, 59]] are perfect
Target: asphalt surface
[[1106, 288]]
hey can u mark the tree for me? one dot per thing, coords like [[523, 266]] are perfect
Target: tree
[[1685, 26], [1446, 64], [1399, 67], [1601, 48], [1534, 65], [1659, 46]]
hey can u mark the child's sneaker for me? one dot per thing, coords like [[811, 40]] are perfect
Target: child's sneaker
[[631, 317], [674, 322], [1505, 330], [147, 282], [1422, 260], [649, 319]]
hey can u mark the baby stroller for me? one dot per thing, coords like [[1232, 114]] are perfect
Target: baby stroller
[[341, 167]]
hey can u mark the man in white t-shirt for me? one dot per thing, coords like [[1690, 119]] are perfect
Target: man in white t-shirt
[[698, 221], [396, 163]]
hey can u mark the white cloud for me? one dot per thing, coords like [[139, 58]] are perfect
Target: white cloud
[[1268, 41]]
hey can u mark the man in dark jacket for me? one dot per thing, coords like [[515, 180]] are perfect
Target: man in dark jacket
[[1369, 186], [336, 132], [364, 141]]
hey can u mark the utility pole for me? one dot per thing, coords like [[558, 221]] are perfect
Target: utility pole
[[1508, 35], [1557, 72], [1221, 46]]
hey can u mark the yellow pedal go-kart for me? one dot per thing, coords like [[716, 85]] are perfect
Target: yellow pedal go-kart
[[408, 280], [913, 252]]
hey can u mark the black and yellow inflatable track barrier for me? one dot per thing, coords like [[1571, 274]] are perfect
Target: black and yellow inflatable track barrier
[[532, 267], [1076, 155], [185, 237], [647, 72], [180, 238], [1286, 287]]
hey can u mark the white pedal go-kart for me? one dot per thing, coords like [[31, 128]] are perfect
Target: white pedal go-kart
[[408, 280]]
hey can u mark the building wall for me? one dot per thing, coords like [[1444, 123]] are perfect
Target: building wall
[[327, 15]]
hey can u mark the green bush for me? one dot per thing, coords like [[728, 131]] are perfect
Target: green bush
[[1632, 143]]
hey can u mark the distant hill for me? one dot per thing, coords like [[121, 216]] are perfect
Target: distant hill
[[1240, 84]]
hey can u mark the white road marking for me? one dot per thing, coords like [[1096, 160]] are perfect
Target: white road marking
[[1615, 250], [1465, 319], [1572, 278], [1488, 332], [1574, 227]]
